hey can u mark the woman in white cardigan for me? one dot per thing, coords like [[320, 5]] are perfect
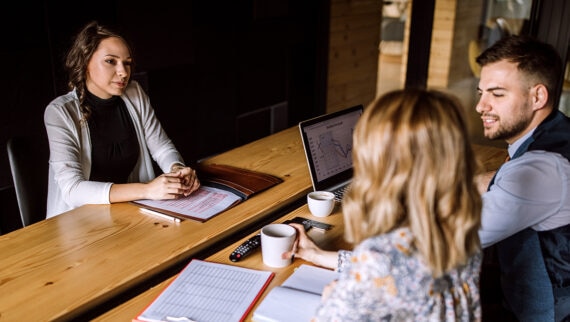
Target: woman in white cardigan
[[103, 134]]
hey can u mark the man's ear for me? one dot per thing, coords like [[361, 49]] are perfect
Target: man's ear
[[539, 95]]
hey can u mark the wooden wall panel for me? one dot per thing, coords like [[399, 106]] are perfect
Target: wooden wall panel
[[442, 37], [466, 28], [455, 24], [353, 52]]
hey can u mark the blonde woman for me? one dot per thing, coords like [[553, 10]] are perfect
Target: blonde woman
[[413, 214]]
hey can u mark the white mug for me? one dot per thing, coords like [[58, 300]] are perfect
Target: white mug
[[276, 239], [321, 203]]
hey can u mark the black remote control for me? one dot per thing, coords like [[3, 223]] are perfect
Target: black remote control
[[308, 223], [246, 248]]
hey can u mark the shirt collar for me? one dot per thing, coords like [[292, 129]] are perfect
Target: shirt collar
[[512, 148]]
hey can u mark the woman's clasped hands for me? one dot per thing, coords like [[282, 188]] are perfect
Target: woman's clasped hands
[[180, 182]]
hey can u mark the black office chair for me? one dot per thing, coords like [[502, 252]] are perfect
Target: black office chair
[[29, 158]]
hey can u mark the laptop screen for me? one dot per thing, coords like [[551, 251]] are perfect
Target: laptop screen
[[327, 140]]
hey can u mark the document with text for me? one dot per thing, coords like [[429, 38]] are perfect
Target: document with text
[[201, 205], [222, 187], [208, 291]]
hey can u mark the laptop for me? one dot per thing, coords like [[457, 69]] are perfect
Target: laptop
[[327, 140]]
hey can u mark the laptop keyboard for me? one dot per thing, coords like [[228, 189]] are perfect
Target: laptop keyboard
[[339, 193]]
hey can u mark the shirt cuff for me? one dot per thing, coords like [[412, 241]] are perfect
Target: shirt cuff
[[343, 260]]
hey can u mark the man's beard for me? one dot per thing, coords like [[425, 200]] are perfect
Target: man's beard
[[508, 130]]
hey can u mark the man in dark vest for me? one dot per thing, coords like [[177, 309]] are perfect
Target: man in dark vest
[[526, 206]]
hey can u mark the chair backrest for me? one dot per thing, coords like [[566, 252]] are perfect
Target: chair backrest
[[29, 158]]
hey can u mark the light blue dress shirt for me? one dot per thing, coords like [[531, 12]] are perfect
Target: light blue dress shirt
[[532, 190]]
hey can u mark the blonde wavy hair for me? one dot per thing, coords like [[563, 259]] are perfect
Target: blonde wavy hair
[[414, 167]]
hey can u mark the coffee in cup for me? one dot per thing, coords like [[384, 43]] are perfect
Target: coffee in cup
[[321, 203]]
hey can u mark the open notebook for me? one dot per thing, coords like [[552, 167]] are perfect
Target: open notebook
[[298, 298], [327, 140]]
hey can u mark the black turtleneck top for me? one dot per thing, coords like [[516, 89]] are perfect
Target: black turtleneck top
[[114, 144]]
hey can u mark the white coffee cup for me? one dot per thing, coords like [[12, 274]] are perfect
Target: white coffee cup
[[321, 203], [276, 239]]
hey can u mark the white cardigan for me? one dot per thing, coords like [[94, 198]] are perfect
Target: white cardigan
[[70, 150]]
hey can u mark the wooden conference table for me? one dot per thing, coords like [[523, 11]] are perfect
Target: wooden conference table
[[490, 157], [331, 240], [68, 265], [62, 267]]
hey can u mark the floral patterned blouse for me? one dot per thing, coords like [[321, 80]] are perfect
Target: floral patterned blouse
[[385, 279]]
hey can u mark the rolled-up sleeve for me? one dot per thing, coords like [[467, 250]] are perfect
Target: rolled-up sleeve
[[530, 191]]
